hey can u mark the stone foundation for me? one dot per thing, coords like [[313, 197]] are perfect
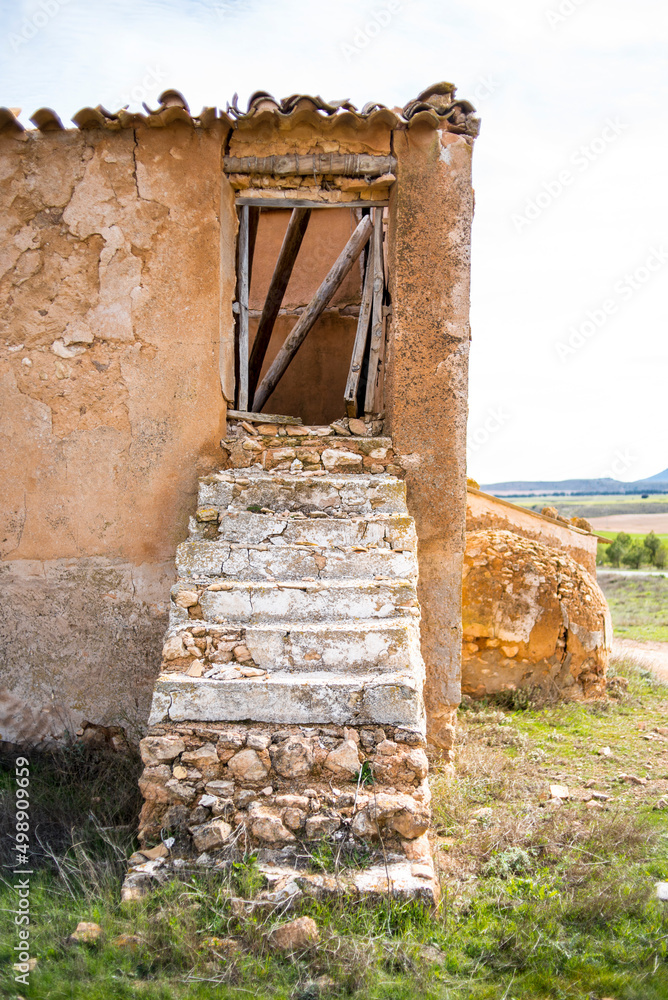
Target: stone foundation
[[211, 785]]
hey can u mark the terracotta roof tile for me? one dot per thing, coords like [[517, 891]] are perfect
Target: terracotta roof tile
[[436, 106], [47, 120]]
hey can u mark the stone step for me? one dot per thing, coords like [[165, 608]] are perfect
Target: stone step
[[294, 633], [389, 530], [298, 492], [389, 699], [252, 602], [196, 559], [330, 452], [367, 646]]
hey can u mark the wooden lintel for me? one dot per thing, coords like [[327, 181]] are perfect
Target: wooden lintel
[[277, 202], [377, 327], [292, 241], [313, 311], [324, 164]]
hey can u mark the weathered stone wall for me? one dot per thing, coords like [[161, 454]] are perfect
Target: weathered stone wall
[[116, 282], [484, 511], [533, 618], [343, 446], [430, 220]]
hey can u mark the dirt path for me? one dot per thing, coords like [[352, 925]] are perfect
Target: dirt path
[[630, 572], [632, 523], [650, 655]]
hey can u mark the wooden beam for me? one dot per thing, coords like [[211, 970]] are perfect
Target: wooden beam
[[277, 201], [292, 241], [379, 398], [359, 347], [327, 164], [253, 223], [242, 298], [315, 308], [262, 418], [377, 313]]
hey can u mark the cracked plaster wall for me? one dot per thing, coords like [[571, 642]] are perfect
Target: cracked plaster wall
[[116, 286]]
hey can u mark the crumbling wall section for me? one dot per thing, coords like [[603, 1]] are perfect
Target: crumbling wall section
[[484, 511], [533, 618]]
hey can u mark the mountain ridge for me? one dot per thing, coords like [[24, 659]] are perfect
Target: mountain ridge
[[583, 486]]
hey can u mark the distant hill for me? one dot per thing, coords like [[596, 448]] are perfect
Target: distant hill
[[660, 477], [653, 484]]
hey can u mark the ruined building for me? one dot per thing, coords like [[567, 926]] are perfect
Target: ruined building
[[165, 278], [534, 616]]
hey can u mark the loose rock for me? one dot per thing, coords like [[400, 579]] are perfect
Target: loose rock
[[296, 935], [86, 933]]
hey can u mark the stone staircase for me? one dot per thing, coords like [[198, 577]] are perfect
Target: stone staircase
[[289, 704]]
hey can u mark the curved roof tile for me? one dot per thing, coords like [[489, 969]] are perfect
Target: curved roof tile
[[46, 120], [435, 106], [9, 121]]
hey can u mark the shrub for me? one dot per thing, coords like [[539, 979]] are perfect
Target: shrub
[[634, 555], [651, 543]]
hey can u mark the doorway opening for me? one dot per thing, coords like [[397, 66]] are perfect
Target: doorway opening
[[311, 309]]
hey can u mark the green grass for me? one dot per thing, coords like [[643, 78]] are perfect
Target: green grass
[[638, 605], [538, 902]]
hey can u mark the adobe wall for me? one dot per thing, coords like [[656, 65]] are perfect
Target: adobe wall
[[485, 511], [114, 302], [431, 211]]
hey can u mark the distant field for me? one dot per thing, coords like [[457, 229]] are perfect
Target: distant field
[[638, 605], [630, 523], [596, 506]]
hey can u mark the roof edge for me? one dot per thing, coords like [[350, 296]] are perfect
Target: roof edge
[[436, 106]]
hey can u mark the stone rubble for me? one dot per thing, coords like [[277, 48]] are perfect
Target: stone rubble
[[288, 709], [348, 445]]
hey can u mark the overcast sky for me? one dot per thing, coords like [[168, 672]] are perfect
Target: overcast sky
[[570, 242]]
